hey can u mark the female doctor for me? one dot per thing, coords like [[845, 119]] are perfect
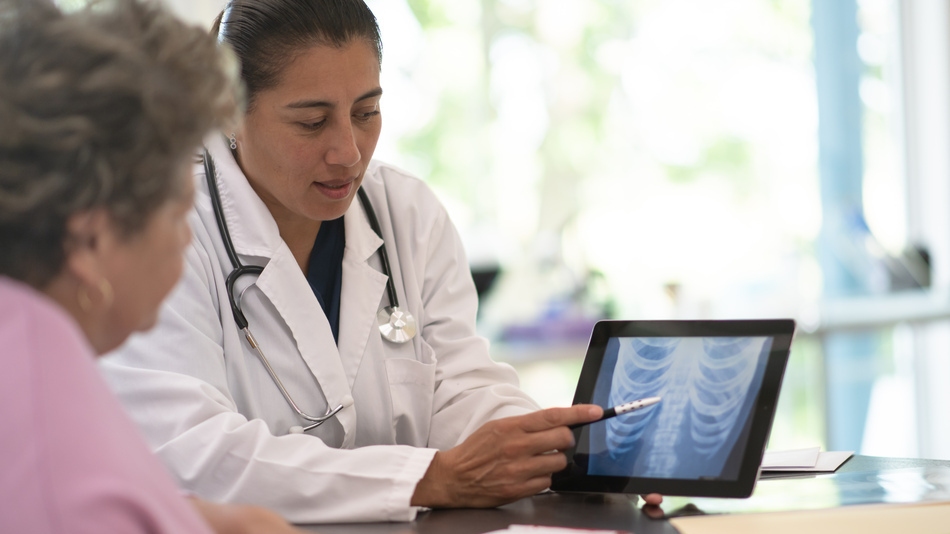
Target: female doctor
[[329, 406]]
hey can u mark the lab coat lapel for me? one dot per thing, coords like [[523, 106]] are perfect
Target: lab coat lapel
[[362, 291], [255, 235], [288, 290]]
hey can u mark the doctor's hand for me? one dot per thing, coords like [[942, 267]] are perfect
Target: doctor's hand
[[242, 519], [503, 461]]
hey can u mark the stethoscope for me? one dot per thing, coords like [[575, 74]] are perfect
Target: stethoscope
[[395, 324]]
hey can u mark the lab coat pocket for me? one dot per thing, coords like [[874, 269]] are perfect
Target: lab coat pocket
[[411, 387]]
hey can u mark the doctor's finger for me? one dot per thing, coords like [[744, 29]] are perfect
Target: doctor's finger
[[555, 417], [507, 438], [536, 485], [514, 447], [543, 465], [553, 439]]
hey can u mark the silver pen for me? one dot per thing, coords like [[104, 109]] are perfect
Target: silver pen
[[627, 407]]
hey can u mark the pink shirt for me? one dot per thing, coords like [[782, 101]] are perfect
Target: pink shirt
[[71, 461]]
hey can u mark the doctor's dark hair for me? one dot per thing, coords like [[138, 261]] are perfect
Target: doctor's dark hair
[[267, 35], [100, 108]]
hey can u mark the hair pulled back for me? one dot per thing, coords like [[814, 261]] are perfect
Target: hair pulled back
[[266, 35], [99, 108]]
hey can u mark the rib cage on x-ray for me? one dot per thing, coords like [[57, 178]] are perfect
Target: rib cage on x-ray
[[703, 379]]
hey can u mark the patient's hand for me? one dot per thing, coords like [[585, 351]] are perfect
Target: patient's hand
[[242, 519]]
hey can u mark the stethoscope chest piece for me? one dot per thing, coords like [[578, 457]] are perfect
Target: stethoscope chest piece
[[395, 324]]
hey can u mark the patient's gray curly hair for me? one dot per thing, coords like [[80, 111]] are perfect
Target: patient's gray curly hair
[[99, 108]]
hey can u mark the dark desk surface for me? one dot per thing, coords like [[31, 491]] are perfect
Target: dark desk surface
[[623, 512]]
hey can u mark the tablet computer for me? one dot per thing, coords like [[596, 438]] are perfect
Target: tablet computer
[[718, 383]]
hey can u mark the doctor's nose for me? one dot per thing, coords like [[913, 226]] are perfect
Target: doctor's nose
[[344, 149]]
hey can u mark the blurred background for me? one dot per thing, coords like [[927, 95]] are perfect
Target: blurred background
[[653, 159]]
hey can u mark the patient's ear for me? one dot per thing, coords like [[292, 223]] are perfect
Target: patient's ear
[[89, 244]]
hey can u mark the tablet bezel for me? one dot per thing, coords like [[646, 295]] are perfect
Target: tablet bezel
[[574, 478]]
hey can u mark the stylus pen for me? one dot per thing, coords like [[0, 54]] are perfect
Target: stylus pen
[[622, 409]]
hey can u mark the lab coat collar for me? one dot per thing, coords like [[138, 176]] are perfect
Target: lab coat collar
[[251, 225], [361, 241]]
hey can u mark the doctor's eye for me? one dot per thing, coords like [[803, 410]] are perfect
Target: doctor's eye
[[367, 115], [312, 126]]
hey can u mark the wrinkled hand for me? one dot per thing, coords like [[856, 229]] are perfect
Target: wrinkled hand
[[242, 519], [503, 461]]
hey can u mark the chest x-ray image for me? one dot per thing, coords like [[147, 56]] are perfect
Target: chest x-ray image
[[708, 387]]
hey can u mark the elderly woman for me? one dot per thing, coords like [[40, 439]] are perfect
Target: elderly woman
[[100, 114]]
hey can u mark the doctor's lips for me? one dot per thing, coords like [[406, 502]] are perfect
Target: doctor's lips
[[627, 407], [335, 191]]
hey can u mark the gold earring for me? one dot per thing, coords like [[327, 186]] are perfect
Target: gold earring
[[105, 289]]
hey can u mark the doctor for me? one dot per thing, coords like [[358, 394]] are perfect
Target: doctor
[[427, 420]]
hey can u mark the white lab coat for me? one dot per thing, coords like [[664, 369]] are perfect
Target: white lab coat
[[214, 416]]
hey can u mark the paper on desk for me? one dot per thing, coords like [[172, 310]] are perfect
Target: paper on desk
[[921, 518], [795, 458], [541, 529], [807, 460]]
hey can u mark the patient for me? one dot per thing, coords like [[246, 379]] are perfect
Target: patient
[[101, 111]]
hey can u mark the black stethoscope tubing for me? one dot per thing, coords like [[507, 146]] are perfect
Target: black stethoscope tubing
[[238, 269], [383, 256]]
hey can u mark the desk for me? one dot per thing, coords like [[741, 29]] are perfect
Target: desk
[[596, 511]]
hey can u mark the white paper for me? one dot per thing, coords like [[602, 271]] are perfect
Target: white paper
[[826, 462], [541, 529], [794, 458]]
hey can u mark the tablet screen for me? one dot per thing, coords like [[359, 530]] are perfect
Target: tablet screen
[[718, 383], [698, 430]]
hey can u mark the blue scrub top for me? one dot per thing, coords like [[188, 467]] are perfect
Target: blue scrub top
[[325, 272]]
